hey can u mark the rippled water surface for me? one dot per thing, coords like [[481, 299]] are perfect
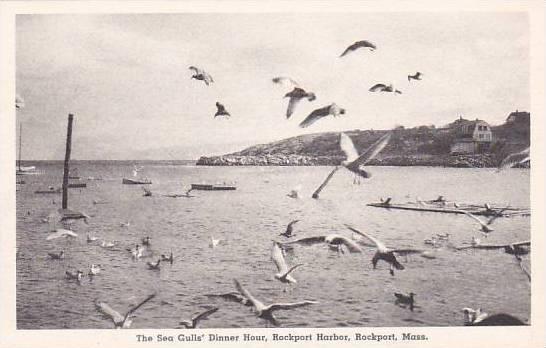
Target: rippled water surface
[[349, 291]]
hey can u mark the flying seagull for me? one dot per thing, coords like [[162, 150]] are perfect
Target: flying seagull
[[384, 253], [354, 161], [317, 114], [289, 229], [266, 311], [295, 96], [516, 248], [60, 232], [201, 75], [484, 225], [192, 324], [380, 87], [221, 111], [357, 45], [233, 296], [120, 321], [515, 159], [416, 76], [283, 80], [283, 274], [334, 240]]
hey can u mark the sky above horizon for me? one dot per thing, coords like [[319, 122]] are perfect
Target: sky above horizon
[[125, 77]]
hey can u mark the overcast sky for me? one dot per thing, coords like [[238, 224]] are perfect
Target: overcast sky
[[126, 77]]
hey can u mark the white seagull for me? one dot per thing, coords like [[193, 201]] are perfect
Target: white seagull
[[61, 232], [484, 226], [384, 253], [94, 269], [317, 114], [283, 274], [120, 321], [380, 87], [194, 322], [334, 240], [266, 311]]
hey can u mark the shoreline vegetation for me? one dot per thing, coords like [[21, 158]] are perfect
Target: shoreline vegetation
[[418, 146]]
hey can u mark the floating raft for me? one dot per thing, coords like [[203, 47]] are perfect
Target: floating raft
[[474, 209], [207, 187], [77, 185], [48, 191], [136, 181]]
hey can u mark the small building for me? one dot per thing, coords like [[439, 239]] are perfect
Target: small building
[[472, 137], [519, 117]]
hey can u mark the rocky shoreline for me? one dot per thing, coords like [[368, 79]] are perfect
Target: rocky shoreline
[[458, 161]]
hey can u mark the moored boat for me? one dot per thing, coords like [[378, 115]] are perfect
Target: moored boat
[[210, 187], [136, 181]]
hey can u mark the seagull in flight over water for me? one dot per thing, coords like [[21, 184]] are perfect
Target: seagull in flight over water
[[194, 322], [334, 240], [289, 229], [380, 87], [60, 232], [120, 321], [484, 225], [284, 272], [384, 253], [295, 96], [201, 75], [266, 311]]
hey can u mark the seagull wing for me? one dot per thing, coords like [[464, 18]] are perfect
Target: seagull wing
[[515, 158], [380, 246], [314, 116], [370, 153], [306, 240], [105, 309], [255, 302], [277, 306], [351, 245], [292, 223], [348, 147], [284, 81], [204, 315], [134, 308], [357, 45], [470, 215], [378, 87], [527, 242], [196, 70], [292, 102], [61, 233], [278, 258], [231, 296]]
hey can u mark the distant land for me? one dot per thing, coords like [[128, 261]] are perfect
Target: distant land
[[418, 146]]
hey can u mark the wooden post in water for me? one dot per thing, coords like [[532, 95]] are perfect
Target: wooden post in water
[[67, 160], [317, 192]]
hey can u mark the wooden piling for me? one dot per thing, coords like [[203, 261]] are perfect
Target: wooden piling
[[67, 161]]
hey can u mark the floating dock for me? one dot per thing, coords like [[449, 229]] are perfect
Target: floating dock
[[136, 181], [449, 208], [208, 187]]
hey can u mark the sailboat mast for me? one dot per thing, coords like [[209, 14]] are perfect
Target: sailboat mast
[[20, 137], [67, 160]]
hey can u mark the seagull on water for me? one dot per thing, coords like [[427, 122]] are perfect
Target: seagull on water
[[74, 276], [416, 76], [91, 238], [266, 311], [214, 242], [380, 87], [192, 324], [359, 44], [94, 269], [201, 75], [283, 274], [57, 256], [221, 110], [154, 265], [120, 321], [146, 240], [405, 299], [333, 240], [289, 229], [295, 96], [137, 252], [384, 253], [317, 114], [60, 232], [515, 159], [107, 244], [147, 192], [166, 258]]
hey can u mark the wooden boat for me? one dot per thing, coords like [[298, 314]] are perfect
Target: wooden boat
[[470, 208], [51, 190], [136, 181], [77, 185], [209, 187]]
